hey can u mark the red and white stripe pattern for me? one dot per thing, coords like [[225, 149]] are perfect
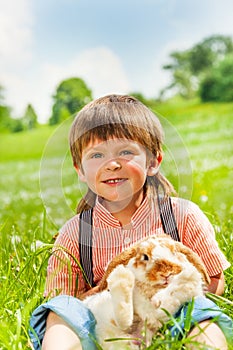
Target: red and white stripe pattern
[[110, 238]]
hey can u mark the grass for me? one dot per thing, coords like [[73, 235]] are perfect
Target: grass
[[39, 191]]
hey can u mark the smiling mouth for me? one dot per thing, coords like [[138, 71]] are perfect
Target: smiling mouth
[[114, 181]]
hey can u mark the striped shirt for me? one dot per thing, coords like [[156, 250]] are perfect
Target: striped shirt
[[110, 238]]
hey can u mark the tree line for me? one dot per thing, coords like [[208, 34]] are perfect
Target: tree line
[[205, 70]]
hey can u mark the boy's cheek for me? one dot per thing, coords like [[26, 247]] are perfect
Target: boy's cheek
[[82, 177], [81, 174]]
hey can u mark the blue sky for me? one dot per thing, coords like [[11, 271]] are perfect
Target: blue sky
[[115, 46]]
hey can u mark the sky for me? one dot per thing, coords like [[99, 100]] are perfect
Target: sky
[[115, 47]]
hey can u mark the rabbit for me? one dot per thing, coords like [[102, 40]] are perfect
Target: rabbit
[[154, 274]]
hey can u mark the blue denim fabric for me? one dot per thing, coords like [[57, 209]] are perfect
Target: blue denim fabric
[[204, 309], [82, 321], [71, 310]]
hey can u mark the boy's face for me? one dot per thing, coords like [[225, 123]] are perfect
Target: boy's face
[[116, 169]]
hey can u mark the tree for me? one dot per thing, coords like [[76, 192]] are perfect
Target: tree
[[71, 95], [29, 119], [5, 117], [140, 97], [16, 125], [189, 67], [218, 84]]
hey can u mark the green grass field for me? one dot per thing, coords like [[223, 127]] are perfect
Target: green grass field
[[39, 191]]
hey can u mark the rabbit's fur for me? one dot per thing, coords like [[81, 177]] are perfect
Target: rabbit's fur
[[155, 274]]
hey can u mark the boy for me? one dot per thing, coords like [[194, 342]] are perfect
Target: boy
[[116, 145]]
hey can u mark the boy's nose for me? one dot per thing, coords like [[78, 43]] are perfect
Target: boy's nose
[[113, 164]]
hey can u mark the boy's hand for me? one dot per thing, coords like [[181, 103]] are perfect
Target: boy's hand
[[216, 285], [91, 291]]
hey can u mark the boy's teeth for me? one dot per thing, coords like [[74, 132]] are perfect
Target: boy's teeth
[[114, 181]]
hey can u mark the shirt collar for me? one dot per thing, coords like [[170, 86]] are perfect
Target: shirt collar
[[138, 217]]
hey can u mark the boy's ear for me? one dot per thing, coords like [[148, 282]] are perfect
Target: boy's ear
[[154, 165], [81, 174]]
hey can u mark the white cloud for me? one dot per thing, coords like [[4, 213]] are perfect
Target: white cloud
[[15, 27], [28, 80], [16, 39], [205, 18], [100, 68], [158, 78], [189, 33], [103, 71], [220, 20]]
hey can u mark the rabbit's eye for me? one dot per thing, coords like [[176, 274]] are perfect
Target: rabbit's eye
[[145, 257]]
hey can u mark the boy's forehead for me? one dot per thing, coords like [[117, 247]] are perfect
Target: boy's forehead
[[110, 142]]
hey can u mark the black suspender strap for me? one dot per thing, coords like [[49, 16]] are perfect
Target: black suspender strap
[[85, 234], [167, 217], [85, 245]]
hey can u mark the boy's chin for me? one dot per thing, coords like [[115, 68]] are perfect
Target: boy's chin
[[117, 201], [117, 204]]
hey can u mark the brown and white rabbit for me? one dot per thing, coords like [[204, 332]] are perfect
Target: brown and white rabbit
[[156, 273]]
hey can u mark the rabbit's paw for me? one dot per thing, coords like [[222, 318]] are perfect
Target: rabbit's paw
[[155, 301], [121, 278], [121, 284]]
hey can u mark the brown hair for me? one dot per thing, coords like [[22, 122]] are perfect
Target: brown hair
[[119, 116]]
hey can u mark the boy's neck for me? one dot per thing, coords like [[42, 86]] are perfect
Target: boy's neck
[[124, 210]]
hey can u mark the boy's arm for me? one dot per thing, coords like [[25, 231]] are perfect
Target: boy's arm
[[63, 272], [217, 283], [199, 235], [91, 291]]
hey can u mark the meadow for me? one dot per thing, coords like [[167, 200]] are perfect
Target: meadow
[[39, 191]]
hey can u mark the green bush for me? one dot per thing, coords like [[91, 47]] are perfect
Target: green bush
[[218, 83]]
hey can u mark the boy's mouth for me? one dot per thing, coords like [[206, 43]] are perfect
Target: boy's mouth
[[114, 181]]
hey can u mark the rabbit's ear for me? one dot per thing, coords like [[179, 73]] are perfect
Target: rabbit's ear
[[194, 259], [122, 258]]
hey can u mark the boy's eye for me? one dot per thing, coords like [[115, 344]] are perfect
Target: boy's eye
[[126, 152], [97, 155]]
